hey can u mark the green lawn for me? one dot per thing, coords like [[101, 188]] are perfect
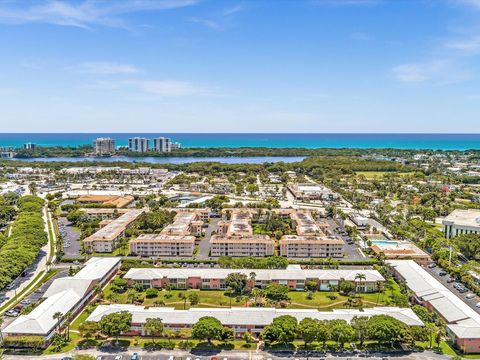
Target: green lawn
[[374, 174], [217, 298]]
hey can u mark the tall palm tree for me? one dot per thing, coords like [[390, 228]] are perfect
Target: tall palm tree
[[361, 278], [58, 316], [380, 289], [68, 320]]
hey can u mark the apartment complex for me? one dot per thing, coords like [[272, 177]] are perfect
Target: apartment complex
[[138, 144], [463, 323], [162, 144], [461, 222], [106, 239], [235, 237], [241, 319], [65, 295], [104, 146], [176, 239], [312, 239], [293, 276]]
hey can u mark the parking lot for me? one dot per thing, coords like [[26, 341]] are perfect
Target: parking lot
[[450, 286], [352, 250], [70, 236]]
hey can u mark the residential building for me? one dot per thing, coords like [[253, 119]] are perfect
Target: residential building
[[463, 323], [461, 222], [65, 295], [162, 144], [29, 146], [106, 239], [104, 146], [176, 239], [400, 249], [241, 319], [293, 276], [138, 144], [235, 237]]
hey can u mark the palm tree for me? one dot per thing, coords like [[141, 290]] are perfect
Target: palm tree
[[58, 316], [68, 319], [432, 329], [361, 278], [158, 303], [380, 289]]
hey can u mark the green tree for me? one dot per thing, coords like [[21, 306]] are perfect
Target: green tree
[[237, 282], [283, 329], [308, 329], [88, 329], [360, 324], [115, 323], [276, 292], [341, 332], [193, 298], [384, 329], [153, 327], [207, 328]]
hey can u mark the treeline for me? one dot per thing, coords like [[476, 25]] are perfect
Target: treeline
[[316, 166], [27, 237], [248, 262], [71, 151]]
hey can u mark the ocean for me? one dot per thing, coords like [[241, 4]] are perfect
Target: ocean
[[398, 141]]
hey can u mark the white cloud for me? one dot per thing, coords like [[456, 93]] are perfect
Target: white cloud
[[105, 68], [212, 24], [437, 72], [82, 14], [470, 46]]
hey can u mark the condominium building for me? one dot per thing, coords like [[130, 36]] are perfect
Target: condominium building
[[293, 276], [29, 146], [65, 295], [312, 239], [235, 237], [104, 146], [106, 239], [461, 222], [162, 144], [311, 191], [176, 239], [462, 322], [241, 319], [138, 144], [294, 246]]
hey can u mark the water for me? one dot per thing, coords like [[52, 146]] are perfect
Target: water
[[398, 141], [174, 160]]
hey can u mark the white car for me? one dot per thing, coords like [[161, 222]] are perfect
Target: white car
[[477, 305], [470, 296]]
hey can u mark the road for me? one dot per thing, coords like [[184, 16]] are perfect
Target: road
[[204, 246], [232, 355]]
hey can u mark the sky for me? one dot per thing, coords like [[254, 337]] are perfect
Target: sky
[[240, 66]]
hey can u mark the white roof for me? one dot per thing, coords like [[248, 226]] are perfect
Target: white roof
[[459, 315], [468, 217], [292, 272], [246, 316], [62, 295]]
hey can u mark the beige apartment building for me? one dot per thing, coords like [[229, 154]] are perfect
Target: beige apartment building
[[106, 239], [176, 239], [163, 245], [235, 237], [312, 239]]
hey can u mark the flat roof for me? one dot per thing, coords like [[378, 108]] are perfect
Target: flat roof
[[115, 227], [447, 304], [292, 272], [468, 217]]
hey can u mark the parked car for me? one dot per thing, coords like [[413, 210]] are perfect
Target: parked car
[[470, 296], [432, 265], [463, 290], [12, 313], [477, 305], [134, 356], [450, 280], [442, 273]]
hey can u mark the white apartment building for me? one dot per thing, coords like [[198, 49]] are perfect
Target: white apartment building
[[162, 144], [138, 144], [461, 222], [104, 146]]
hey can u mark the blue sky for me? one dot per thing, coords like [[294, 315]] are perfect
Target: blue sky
[[240, 66]]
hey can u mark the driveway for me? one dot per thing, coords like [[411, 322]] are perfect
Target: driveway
[[204, 246], [70, 236]]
